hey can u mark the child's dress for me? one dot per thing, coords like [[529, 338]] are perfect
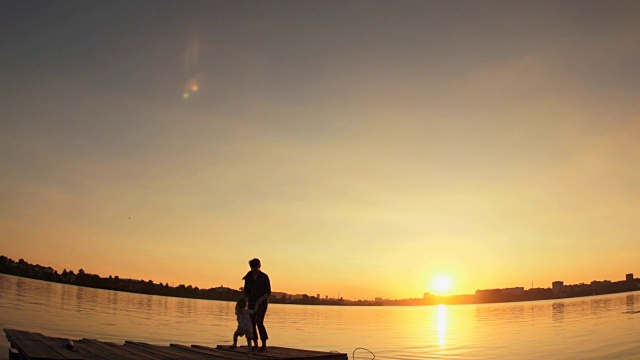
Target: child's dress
[[244, 324]]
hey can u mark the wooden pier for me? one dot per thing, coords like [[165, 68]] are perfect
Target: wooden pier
[[35, 346]]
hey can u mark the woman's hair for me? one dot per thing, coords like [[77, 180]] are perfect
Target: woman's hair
[[241, 304], [252, 264]]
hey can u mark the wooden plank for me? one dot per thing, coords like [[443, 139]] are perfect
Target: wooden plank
[[16, 334], [309, 354], [30, 347], [328, 356], [86, 354], [310, 351], [242, 350], [188, 353], [111, 351], [58, 346], [148, 352], [292, 354], [92, 353], [164, 352], [37, 350], [213, 354], [274, 352]]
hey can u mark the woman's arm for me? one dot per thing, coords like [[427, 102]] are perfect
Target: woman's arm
[[266, 290], [255, 309], [262, 298]]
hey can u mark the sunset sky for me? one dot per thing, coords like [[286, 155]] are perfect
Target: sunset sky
[[360, 148]]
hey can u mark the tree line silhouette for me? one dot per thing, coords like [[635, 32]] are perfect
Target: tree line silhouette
[[81, 278]]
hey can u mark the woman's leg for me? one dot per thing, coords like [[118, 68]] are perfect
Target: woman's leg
[[255, 331], [260, 314]]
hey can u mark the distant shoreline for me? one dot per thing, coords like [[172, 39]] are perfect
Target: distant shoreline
[[24, 269]]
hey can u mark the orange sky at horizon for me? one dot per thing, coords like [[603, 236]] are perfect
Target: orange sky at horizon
[[357, 149]]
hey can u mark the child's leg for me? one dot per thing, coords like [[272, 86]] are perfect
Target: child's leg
[[235, 340], [248, 345]]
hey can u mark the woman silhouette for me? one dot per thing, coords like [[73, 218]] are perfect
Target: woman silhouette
[[257, 289]]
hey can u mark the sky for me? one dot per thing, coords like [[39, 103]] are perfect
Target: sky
[[360, 149]]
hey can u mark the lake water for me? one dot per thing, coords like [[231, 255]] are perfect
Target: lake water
[[581, 328]]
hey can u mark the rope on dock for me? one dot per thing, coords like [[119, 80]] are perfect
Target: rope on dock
[[361, 348]]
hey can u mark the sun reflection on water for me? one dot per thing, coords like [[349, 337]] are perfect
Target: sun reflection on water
[[442, 325]]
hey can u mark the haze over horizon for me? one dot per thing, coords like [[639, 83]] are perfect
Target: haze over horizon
[[360, 148]]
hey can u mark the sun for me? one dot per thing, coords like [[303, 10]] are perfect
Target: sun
[[441, 285]]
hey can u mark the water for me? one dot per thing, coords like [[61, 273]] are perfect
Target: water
[[583, 328]]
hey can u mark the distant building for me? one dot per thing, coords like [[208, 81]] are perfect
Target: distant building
[[487, 292], [513, 291], [600, 285], [629, 277], [496, 292], [378, 299], [557, 286]]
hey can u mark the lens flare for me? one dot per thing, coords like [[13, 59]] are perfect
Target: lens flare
[[191, 87]]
